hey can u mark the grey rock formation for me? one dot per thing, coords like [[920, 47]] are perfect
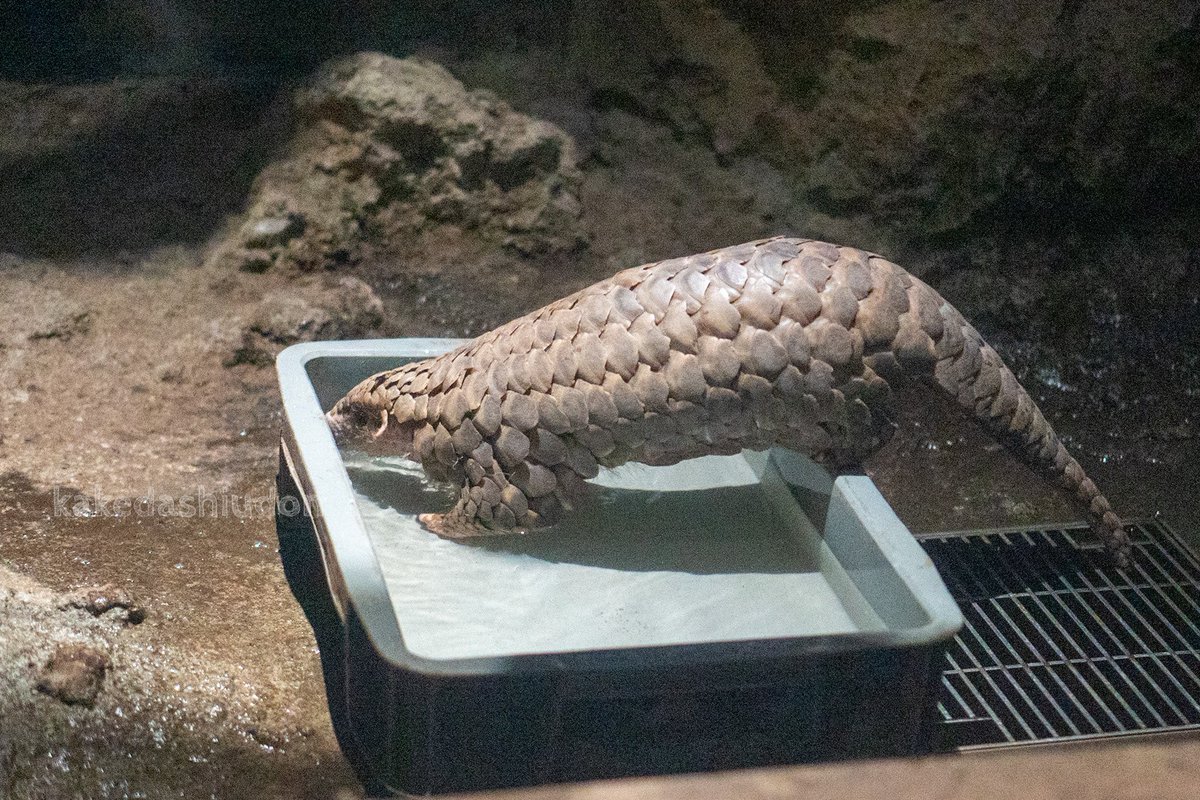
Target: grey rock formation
[[305, 311], [918, 118], [388, 148]]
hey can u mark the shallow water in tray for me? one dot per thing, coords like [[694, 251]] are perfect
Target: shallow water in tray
[[701, 552]]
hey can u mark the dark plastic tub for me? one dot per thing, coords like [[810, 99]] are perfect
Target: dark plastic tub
[[855, 676]]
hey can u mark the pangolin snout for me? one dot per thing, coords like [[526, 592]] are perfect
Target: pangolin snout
[[353, 420], [337, 425], [368, 427]]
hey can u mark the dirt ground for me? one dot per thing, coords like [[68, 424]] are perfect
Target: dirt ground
[[120, 378]]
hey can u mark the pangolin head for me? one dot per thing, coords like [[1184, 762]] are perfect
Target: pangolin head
[[366, 420]]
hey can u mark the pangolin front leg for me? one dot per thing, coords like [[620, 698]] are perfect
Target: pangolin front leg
[[510, 496], [779, 342]]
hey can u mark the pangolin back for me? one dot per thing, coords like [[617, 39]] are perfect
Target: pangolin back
[[777, 342]]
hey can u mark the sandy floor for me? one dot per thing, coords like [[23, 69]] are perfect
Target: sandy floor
[[194, 702], [114, 384]]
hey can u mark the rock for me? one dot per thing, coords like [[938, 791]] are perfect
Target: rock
[[47, 315], [256, 261], [329, 308], [687, 64], [171, 373], [387, 148], [64, 327], [920, 122], [74, 674], [274, 230], [99, 600]]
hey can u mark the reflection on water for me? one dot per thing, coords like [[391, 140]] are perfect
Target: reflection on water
[[628, 568]]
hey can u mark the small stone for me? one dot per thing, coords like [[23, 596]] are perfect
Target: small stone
[[171, 373], [73, 674], [256, 261], [346, 308], [271, 231], [61, 324]]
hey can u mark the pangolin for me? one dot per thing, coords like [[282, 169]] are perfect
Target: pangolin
[[780, 342]]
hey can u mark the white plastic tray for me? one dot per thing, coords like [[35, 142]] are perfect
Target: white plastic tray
[[710, 550]]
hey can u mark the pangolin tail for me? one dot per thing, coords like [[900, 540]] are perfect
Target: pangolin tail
[[973, 374]]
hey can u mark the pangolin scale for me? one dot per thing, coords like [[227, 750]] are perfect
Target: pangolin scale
[[787, 342]]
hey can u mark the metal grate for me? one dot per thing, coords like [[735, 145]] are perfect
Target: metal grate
[[1059, 645]]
